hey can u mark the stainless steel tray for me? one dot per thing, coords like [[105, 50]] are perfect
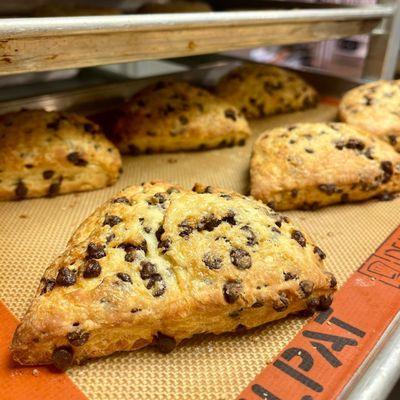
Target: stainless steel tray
[[381, 369], [39, 44]]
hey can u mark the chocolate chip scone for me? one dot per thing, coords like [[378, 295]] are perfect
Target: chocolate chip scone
[[49, 153], [310, 165], [374, 107], [157, 264], [175, 116], [259, 90]]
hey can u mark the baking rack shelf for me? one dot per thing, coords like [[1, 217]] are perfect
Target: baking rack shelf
[[97, 40]]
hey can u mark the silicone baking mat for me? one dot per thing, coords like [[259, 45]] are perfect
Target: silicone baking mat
[[34, 232]]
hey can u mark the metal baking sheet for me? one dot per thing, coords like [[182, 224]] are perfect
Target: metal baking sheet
[[40, 44], [384, 369]]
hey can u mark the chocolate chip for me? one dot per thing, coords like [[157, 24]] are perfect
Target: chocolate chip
[[151, 133], [236, 313], [183, 120], [66, 277], [21, 190], [78, 338], [124, 277], [164, 245], [129, 247], [231, 291], [240, 258], [54, 188], [48, 285], [386, 196], [271, 204], [92, 269], [95, 251], [111, 220], [308, 150], [387, 168], [159, 285], [165, 344], [329, 189], [229, 218], [130, 257], [299, 238], [332, 279], [276, 230], [324, 302], [281, 304], [212, 261], [48, 174], [257, 304], [76, 159], [344, 198], [355, 144], [147, 269], [153, 279], [122, 200], [290, 276], [294, 193], [392, 140], [29, 166], [241, 328], [306, 287], [158, 198], [340, 145], [62, 357], [208, 223], [159, 233], [135, 310], [134, 150], [230, 114], [320, 253], [54, 124], [310, 206], [186, 229], [251, 237], [110, 237], [89, 128]]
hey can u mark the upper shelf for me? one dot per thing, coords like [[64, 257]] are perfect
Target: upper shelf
[[41, 44]]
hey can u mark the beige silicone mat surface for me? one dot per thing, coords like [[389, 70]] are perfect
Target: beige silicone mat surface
[[33, 232]]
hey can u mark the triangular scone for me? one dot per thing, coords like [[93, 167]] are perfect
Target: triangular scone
[[311, 165], [174, 116], [374, 107], [50, 153], [158, 264], [259, 90]]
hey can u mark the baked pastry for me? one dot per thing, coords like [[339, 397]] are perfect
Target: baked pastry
[[374, 107], [259, 90], [316, 164], [49, 153], [157, 264], [174, 7], [176, 116]]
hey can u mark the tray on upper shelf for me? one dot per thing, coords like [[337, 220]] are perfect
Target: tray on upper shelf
[[40, 44]]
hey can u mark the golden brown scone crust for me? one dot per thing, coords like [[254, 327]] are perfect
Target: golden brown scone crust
[[259, 90], [174, 7], [374, 107], [174, 116], [158, 263], [310, 165], [49, 153]]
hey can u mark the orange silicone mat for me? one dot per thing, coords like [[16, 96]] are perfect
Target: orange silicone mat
[[34, 232]]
